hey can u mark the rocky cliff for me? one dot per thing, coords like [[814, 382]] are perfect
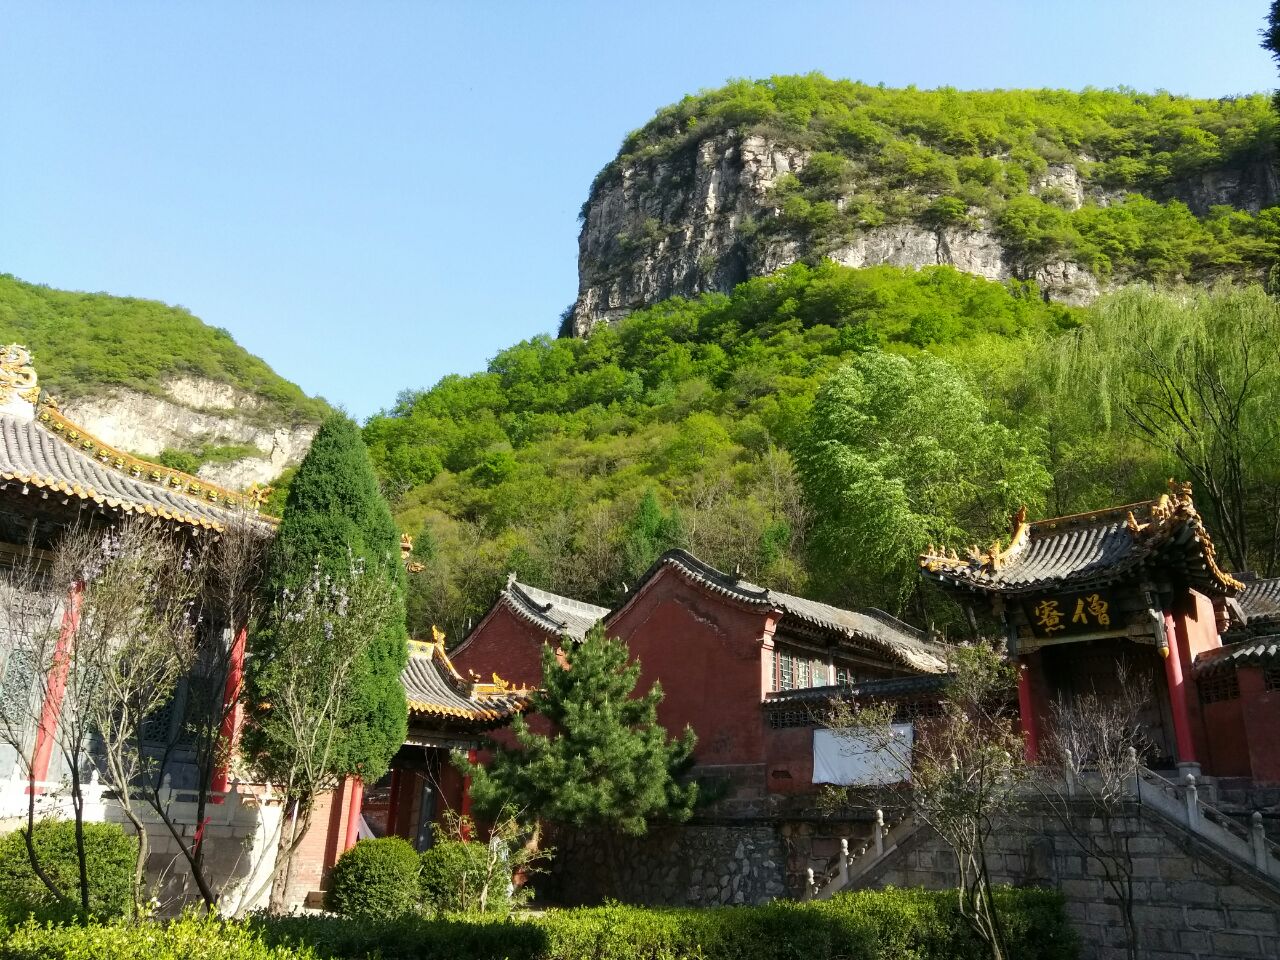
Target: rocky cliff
[[195, 414], [691, 221]]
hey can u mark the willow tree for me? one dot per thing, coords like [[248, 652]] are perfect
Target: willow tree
[[899, 454], [1193, 376]]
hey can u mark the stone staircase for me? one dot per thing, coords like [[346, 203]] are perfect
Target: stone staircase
[[849, 866], [1183, 806]]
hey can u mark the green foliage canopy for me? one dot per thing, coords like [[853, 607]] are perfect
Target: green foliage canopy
[[900, 454], [607, 763], [334, 514], [86, 343], [574, 462]]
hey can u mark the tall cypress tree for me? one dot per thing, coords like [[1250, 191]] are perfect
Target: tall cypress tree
[[607, 763], [335, 512]]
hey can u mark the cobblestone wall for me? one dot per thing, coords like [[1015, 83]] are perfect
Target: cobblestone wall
[[698, 864], [1190, 903]]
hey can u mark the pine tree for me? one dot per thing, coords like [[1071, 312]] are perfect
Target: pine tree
[[607, 763], [334, 514]]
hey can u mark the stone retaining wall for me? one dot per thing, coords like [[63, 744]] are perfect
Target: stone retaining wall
[[698, 864], [1190, 902]]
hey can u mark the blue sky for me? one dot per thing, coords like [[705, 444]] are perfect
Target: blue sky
[[372, 195]]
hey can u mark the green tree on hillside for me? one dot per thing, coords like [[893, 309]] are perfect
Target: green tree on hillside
[[1271, 41], [324, 687], [899, 454], [607, 762], [1195, 380]]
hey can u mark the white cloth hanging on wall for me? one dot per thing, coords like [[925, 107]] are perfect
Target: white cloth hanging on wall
[[851, 758]]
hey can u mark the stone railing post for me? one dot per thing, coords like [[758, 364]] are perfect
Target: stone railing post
[[1069, 772], [879, 828], [1258, 841], [844, 863], [94, 811], [809, 884], [1137, 772], [1193, 802]]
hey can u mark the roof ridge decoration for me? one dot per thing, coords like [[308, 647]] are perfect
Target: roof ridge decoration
[[1146, 524], [21, 399], [903, 643], [471, 699], [558, 615], [19, 383]]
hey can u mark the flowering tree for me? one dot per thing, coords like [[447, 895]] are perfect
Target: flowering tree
[[135, 641], [321, 632]]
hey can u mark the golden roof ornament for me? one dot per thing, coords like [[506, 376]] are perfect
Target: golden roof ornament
[[19, 385]]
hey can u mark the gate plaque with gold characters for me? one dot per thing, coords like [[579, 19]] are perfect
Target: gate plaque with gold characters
[[1068, 614]]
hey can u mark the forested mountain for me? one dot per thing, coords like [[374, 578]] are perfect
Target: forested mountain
[[1078, 191], [817, 425], [155, 380]]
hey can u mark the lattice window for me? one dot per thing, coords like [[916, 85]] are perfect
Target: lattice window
[[797, 671], [163, 726], [781, 719], [845, 675], [1271, 678], [917, 710], [1222, 687], [16, 685]]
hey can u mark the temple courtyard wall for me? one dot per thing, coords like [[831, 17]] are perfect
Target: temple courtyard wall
[[1191, 902]]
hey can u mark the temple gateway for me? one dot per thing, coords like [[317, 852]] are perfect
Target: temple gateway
[[1134, 594]]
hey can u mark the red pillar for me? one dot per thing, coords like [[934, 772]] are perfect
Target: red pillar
[[57, 684], [1027, 711], [356, 798], [1177, 692], [232, 716], [393, 803]]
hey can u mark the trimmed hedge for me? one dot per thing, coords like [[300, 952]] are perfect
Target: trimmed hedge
[[191, 938], [377, 879], [111, 857], [868, 925]]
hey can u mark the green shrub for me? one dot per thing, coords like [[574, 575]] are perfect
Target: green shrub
[[868, 925], [375, 879], [111, 855], [457, 878], [193, 937]]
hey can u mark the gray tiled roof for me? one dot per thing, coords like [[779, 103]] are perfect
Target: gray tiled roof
[[888, 688], [1090, 550], [1264, 651], [901, 643], [557, 615], [1260, 599], [33, 454], [434, 691]]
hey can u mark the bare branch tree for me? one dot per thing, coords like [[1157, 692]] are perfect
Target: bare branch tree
[[36, 597], [1091, 766], [966, 770], [135, 641]]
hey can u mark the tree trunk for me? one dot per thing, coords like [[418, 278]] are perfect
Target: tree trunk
[[77, 805]]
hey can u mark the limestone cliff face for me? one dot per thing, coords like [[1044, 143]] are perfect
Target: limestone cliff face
[[685, 224], [196, 413]]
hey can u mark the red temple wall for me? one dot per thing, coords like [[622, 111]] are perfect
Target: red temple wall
[[511, 647], [708, 655], [1260, 710], [788, 759], [1228, 746]]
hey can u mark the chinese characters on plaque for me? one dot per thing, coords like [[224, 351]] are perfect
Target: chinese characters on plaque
[[1068, 614]]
